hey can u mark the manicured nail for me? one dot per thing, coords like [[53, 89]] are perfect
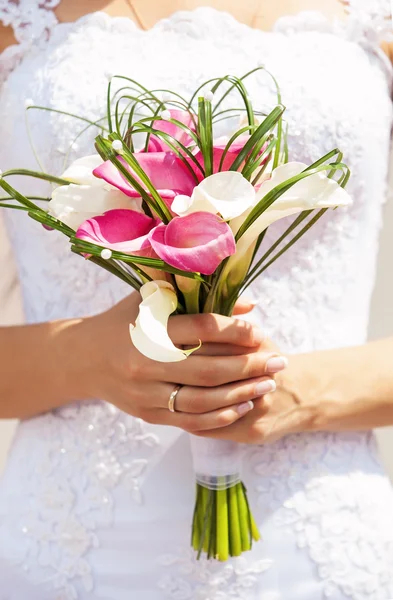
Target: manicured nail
[[276, 364], [264, 387], [244, 408]]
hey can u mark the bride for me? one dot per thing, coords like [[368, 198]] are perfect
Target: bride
[[96, 499]]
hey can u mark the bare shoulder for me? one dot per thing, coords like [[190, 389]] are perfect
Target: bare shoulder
[[7, 37]]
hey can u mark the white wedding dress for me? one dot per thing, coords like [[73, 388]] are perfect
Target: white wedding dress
[[97, 505]]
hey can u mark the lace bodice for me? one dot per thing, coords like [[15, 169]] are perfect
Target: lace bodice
[[91, 463]]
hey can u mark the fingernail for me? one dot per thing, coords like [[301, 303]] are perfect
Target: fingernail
[[264, 387], [277, 363], [244, 408]]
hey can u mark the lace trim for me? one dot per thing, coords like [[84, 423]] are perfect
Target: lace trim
[[367, 25], [32, 21], [59, 526]]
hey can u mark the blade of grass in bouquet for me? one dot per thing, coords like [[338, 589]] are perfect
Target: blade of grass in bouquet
[[13, 206], [40, 198], [155, 202], [255, 273], [133, 102], [36, 175], [145, 91], [277, 243], [279, 190], [76, 138], [179, 104], [15, 195], [45, 219], [205, 134], [109, 96], [257, 159], [230, 142], [176, 146], [223, 115], [266, 126], [107, 265], [68, 114], [155, 263], [297, 237], [260, 68], [238, 83]]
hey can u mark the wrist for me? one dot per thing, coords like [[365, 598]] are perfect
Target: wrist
[[303, 387]]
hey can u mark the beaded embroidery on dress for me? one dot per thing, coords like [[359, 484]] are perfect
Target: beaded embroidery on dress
[[88, 494]]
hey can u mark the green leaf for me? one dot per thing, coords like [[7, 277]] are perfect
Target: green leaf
[[205, 134], [154, 263], [264, 128], [154, 200], [36, 175], [280, 189]]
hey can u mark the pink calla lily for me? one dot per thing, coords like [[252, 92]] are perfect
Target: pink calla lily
[[121, 230], [198, 242], [156, 144], [166, 171]]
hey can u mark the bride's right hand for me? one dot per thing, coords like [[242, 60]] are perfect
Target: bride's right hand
[[220, 381]]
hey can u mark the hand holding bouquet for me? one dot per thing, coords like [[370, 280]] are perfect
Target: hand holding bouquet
[[180, 214]]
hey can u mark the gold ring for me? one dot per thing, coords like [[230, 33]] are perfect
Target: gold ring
[[172, 398]]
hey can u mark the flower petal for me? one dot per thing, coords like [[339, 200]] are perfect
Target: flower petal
[[227, 193], [198, 242], [150, 335], [120, 230], [166, 172], [314, 192], [73, 204], [81, 170], [173, 130]]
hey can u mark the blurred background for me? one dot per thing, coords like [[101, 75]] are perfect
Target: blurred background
[[381, 315]]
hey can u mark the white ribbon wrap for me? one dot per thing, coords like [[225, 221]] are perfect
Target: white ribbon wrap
[[217, 463]]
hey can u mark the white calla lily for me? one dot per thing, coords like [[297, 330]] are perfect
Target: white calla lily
[[87, 196], [81, 170], [150, 335], [74, 204], [227, 193], [314, 192]]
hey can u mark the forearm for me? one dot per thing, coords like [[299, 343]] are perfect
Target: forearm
[[345, 389], [41, 368]]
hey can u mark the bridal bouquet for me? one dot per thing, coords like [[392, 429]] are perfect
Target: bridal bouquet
[[179, 213]]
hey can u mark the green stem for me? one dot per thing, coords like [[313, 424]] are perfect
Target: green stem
[[213, 533], [196, 534], [235, 541], [243, 518], [222, 534]]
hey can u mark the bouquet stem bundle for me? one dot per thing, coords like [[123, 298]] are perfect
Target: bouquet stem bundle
[[223, 524]]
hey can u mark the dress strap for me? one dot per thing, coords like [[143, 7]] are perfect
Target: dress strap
[[32, 22]]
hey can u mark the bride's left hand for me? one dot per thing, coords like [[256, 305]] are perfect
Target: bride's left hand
[[283, 412]]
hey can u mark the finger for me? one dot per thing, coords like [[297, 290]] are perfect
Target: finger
[[243, 306], [207, 371], [206, 421], [222, 350], [243, 430], [191, 329], [192, 399]]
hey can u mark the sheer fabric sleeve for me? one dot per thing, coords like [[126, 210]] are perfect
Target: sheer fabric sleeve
[[32, 22], [374, 15]]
